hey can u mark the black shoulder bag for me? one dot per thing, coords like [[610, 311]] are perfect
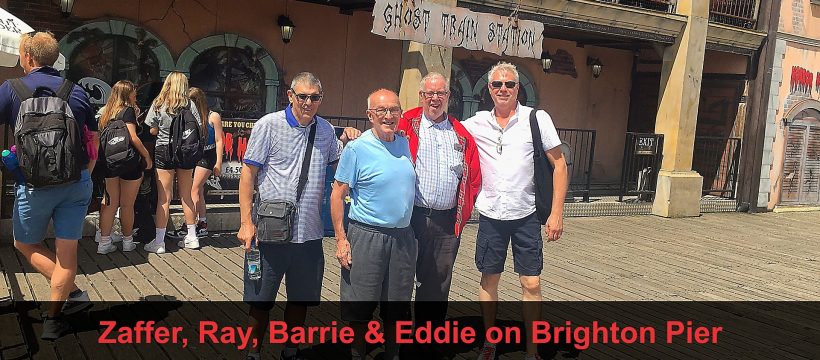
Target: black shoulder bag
[[275, 219], [543, 173]]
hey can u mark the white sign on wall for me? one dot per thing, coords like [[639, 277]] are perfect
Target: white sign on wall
[[429, 23]]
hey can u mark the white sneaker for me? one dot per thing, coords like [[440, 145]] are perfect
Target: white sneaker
[[156, 247], [189, 242], [114, 237], [129, 245], [103, 249]]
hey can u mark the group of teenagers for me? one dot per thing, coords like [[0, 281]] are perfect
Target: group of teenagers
[[149, 136], [412, 181]]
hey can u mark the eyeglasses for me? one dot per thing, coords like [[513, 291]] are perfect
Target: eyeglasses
[[431, 94], [498, 146], [382, 112], [507, 84], [312, 97]]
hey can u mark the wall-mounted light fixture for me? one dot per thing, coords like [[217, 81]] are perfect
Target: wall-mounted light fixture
[[286, 25], [66, 6], [546, 61], [597, 67]]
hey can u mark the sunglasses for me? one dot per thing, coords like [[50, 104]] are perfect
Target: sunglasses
[[507, 84], [312, 97]]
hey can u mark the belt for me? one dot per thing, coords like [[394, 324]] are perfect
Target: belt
[[433, 212]]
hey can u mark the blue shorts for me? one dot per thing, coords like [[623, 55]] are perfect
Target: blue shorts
[[494, 237], [66, 205]]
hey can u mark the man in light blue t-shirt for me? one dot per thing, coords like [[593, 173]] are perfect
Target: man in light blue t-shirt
[[377, 171]]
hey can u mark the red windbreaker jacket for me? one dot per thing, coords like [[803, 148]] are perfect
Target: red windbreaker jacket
[[470, 179]]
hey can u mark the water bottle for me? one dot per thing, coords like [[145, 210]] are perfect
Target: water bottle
[[10, 160], [254, 265]]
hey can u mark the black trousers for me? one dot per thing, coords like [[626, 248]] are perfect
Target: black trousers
[[438, 247]]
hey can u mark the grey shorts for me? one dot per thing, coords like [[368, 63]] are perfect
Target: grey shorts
[[383, 269], [302, 264]]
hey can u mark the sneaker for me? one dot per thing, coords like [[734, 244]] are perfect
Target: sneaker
[[114, 237], [178, 233], [103, 249], [189, 242], [54, 328], [156, 247], [77, 301], [487, 352], [129, 245], [202, 229]]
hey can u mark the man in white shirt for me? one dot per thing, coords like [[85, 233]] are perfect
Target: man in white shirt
[[506, 200]]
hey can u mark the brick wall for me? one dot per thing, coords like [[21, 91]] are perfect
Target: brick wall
[[43, 15]]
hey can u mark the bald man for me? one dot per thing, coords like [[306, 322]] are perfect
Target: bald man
[[378, 251]]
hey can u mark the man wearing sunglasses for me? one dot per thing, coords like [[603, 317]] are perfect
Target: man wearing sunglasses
[[506, 200], [447, 181], [272, 166]]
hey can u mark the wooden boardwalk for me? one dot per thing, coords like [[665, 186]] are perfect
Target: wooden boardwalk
[[729, 256]]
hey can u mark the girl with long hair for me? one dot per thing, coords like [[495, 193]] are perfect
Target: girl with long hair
[[121, 186], [172, 101], [211, 162]]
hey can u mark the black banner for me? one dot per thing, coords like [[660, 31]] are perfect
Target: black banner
[[165, 328]]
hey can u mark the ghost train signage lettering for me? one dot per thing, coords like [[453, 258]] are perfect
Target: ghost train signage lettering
[[435, 24]]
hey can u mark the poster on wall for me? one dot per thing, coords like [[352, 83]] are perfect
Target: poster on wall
[[235, 141], [430, 23]]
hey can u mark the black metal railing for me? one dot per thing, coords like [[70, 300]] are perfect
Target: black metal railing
[[657, 5], [740, 13], [717, 159], [643, 153], [579, 150], [579, 146], [346, 121]]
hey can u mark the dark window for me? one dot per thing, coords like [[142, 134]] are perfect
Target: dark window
[[233, 80], [456, 105], [111, 58]]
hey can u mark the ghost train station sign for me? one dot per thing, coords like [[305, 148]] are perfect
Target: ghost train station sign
[[429, 23]]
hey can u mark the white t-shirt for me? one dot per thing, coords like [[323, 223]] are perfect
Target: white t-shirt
[[507, 185]]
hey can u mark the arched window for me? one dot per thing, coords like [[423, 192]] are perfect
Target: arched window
[[111, 58], [233, 80], [101, 53]]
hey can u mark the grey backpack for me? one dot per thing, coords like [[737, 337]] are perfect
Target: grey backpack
[[49, 141]]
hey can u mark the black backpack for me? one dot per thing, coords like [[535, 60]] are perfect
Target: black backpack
[[50, 146], [185, 145], [115, 147]]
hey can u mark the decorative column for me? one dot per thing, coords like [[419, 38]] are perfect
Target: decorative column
[[679, 188], [417, 60]]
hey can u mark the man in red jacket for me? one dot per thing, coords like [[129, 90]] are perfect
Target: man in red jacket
[[448, 178]]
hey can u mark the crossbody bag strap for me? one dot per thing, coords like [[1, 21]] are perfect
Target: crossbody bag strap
[[303, 175]]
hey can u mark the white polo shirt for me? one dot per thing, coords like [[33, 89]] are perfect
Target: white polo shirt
[[507, 185]]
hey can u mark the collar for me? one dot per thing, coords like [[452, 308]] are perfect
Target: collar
[[445, 124], [48, 70], [513, 119], [292, 119]]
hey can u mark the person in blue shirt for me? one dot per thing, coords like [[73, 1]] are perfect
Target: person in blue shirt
[[65, 204], [378, 251]]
